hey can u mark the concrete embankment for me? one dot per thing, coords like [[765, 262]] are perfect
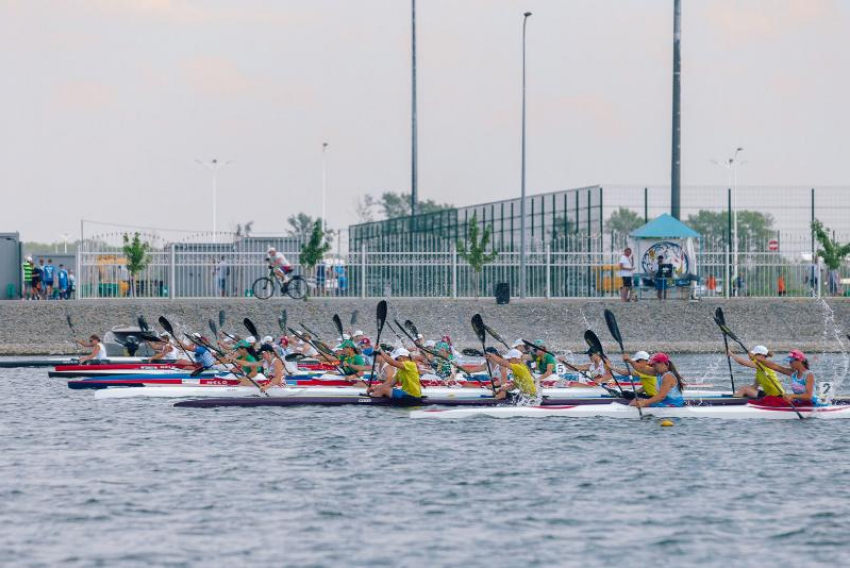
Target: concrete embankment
[[35, 328]]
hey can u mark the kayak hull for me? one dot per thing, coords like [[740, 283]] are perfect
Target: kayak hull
[[748, 410]]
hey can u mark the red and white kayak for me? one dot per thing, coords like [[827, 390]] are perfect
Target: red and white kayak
[[749, 410], [152, 369], [324, 387]]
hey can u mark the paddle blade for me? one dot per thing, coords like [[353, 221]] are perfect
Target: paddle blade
[[469, 352], [411, 328], [252, 329], [281, 321], [166, 325], [213, 328], [338, 326], [496, 336], [197, 372], [221, 318], [719, 316], [354, 316], [478, 328], [593, 342], [611, 320], [294, 356], [70, 323], [381, 315], [143, 324]]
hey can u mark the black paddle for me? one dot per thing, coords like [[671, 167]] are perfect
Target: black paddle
[[411, 328], [353, 320], [221, 318], [470, 352], [595, 345], [615, 333], [728, 332], [236, 369], [392, 329], [720, 318], [166, 325], [143, 323], [252, 329], [213, 328], [281, 321], [338, 326], [479, 328], [381, 315], [574, 368], [496, 336]]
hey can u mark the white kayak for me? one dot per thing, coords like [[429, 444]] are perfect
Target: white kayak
[[222, 391], [619, 410]]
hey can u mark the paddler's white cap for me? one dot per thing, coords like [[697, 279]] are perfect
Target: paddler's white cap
[[196, 335], [358, 333], [165, 334], [251, 339], [419, 336], [400, 352], [518, 343], [760, 350], [268, 339], [430, 343], [641, 356], [513, 354]]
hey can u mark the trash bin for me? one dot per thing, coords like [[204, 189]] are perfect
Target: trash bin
[[503, 293]]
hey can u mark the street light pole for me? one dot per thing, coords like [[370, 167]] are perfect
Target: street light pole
[[324, 183], [214, 165], [732, 164], [414, 119], [522, 244]]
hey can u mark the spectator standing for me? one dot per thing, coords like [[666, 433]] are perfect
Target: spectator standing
[[62, 282], [711, 285], [27, 267], [321, 278], [37, 278], [72, 284], [221, 271], [662, 274], [780, 285], [627, 272], [341, 280], [49, 279]]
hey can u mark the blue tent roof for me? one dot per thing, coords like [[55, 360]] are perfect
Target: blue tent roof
[[664, 227]]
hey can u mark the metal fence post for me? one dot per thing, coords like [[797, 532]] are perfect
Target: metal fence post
[[548, 270], [363, 270], [454, 270], [172, 272]]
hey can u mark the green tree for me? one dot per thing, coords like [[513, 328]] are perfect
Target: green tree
[[754, 227], [136, 252], [392, 205], [624, 221], [832, 252], [315, 248], [474, 250], [300, 225]]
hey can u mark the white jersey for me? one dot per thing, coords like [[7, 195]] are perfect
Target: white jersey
[[101, 351], [278, 260], [627, 266]]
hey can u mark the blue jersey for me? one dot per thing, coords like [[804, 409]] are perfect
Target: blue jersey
[[674, 396], [49, 270], [63, 278], [203, 356]]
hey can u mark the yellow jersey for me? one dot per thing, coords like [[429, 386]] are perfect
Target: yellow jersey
[[768, 381], [523, 379], [648, 382], [408, 378]]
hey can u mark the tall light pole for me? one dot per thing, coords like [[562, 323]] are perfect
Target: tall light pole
[[414, 127], [522, 267], [214, 165], [324, 183], [732, 164], [65, 238], [676, 159]]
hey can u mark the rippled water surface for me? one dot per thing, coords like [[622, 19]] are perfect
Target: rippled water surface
[[139, 482]]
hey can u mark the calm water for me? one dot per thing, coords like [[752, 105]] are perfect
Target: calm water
[[138, 482]]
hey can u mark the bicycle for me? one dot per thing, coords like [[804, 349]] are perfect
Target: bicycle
[[264, 287]]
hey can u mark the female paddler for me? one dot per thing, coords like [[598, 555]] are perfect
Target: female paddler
[[98, 349], [406, 376], [767, 384], [520, 380], [597, 369], [803, 384], [642, 370], [668, 384]]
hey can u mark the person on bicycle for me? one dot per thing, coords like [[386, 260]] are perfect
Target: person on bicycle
[[282, 267]]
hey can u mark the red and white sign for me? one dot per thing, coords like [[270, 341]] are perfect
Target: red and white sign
[[773, 245]]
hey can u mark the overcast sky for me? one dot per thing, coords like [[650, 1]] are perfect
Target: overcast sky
[[106, 104]]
